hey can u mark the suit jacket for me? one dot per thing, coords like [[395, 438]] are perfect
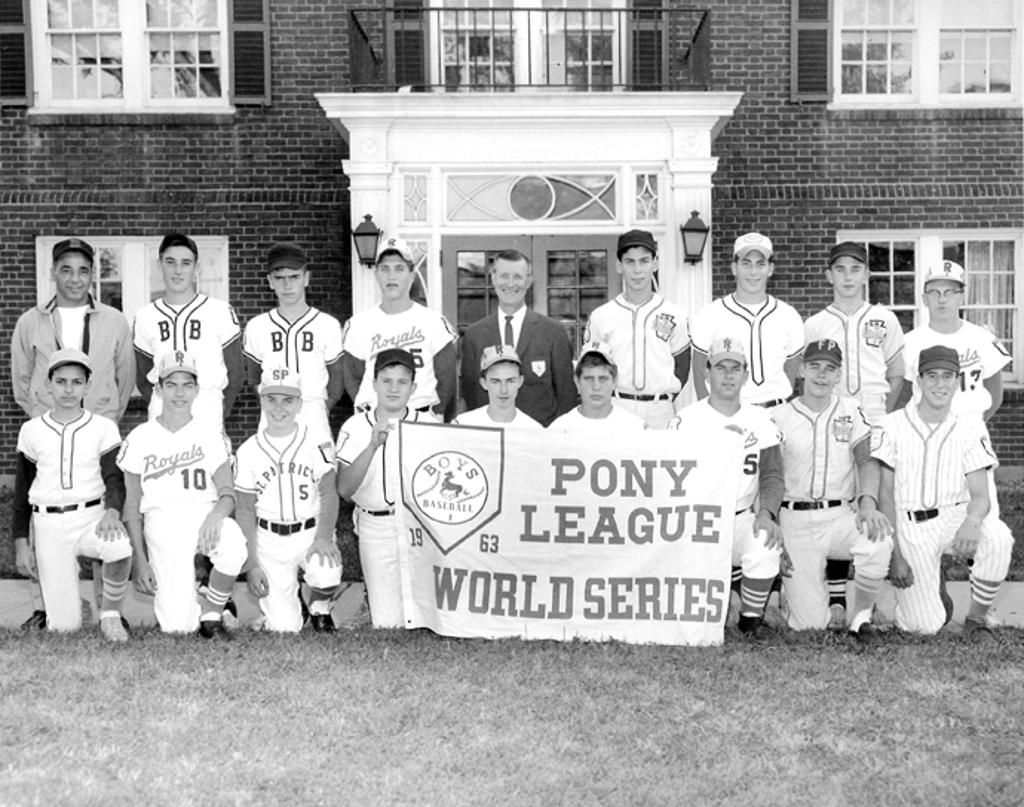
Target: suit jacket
[[549, 388]]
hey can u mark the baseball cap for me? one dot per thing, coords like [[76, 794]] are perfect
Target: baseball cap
[[68, 355], [726, 347], [938, 357], [752, 241], [392, 356], [280, 379], [600, 348], [493, 354], [824, 349], [947, 270], [72, 245], [177, 361], [285, 256], [848, 249], [636, 238], [395, 245], [177, 240]]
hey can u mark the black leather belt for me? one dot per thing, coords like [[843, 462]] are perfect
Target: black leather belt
[[824, 504], [422, 409], [65, 508], [628, 396], [923, 515], [745, 510], [285, 529], [389, 512], [770, 404]]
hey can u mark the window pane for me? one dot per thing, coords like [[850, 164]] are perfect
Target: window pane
[[57, 14], [853, 47], [106, 14], [901, 79], [157, 14], [876, 79], [949, 78], [877, 47], [181, 14], [974, 78], [81, 13], [854, 12], [561, 268], [878, 12], [903, 12], [853, 77], [209, 82], [902, 47], [206, 13]]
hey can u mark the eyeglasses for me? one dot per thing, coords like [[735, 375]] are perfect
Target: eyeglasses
[[943, 294]]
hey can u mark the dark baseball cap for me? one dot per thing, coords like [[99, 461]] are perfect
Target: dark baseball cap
[[393, 356], [938, 357], [636, 238], [73, 245], [824, 349], [848, 249], [285, 256], [177, 240]]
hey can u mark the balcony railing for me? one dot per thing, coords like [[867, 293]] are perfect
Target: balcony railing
[[588, 49]]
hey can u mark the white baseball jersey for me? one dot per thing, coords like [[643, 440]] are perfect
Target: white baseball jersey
[[618, 421], [284, 474], [380, 488], [981, 356], [203, 327], [758, 429], [871, 339], [771, 335], [644, 341], [421, 331], [817, 448], [307, 346], [479, 417], [67, 457], [176, 468]]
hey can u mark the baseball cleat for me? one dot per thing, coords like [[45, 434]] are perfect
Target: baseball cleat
[[214, 629], [866, 633], [750, 626], [322, 623], [837, 617], [35, 622], [977, 632], [113, 629]]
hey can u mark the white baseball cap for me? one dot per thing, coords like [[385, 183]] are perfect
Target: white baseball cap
[[395, 245], [947, 270], [752, 241], [69, 355], [280, 379], [177, 361], [493, 354], [726, 347], [601, 349]]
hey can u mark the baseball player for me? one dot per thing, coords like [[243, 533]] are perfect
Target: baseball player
[[771, 331], [871, 341], [368, 475], [596, 376], [398, 322], [826, 456], [757, 539], [501, 377], [646, 333], [185, 320], [934, 490], [68, 483], [179, 494], [287, 508], [297, 336]]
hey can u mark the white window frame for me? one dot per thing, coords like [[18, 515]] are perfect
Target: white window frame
[[136, 252], [928, 252], [134, 64], [925, 66]]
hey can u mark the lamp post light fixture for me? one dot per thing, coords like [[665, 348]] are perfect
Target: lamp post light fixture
[[367, 237], [695, 236]]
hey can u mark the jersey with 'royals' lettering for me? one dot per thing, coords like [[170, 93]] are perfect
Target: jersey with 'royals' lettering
[[308, 346], [419, 330], [176, 468]]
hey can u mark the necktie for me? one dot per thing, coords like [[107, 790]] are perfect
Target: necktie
[[509, 339]]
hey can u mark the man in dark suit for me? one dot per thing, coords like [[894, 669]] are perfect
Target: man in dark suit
[[548, 389]]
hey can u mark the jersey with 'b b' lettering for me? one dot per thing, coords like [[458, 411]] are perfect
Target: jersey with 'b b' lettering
[[308, 346]]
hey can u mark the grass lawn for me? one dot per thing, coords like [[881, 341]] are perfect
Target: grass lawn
[[395, 717]]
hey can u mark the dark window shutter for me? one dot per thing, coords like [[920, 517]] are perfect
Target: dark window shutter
[[408, 44], [647, 46], [14, 74], [810, 43], [250, 52]]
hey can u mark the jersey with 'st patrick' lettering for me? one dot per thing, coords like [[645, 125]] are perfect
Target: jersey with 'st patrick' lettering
[[176, 468], [644, 340], [203, 327], [419, 330], [753, 423], [67, 457], [284, 474], [871, 339], [981, 357], [307, 346], [771, 334]]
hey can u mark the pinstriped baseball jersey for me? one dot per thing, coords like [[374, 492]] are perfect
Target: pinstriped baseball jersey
[[753, 422], [981, 356], [202, 327], [931, 460], [307, 346], [284, 473], [817, 448], [66, 456], [644, 340], [870, 338], [771, 335]]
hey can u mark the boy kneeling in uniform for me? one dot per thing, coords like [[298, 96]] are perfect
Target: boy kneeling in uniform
[[66, 470], [287, 508]]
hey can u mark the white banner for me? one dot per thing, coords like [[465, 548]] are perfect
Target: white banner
[[553, 535]]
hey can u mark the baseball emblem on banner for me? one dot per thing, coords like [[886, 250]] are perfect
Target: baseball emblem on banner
[[450, 487]]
